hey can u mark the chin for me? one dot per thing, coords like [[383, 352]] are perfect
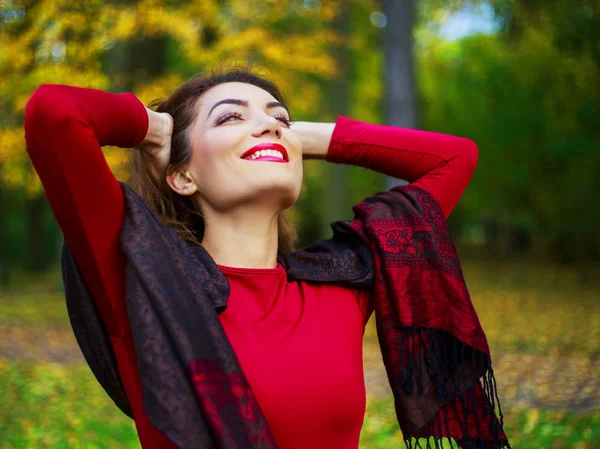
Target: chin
[[281, 192], [279, 189], [290, 201]]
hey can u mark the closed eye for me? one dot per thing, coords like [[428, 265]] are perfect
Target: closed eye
[[236, 115], [225, 118], [283, 119]]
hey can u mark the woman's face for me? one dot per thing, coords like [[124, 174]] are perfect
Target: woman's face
[[235, 120]]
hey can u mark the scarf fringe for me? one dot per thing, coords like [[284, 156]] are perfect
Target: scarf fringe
[[438, 443], [455, 369]]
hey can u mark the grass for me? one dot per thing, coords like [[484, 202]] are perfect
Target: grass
[[62, 407], [534, 310], [527, 429], [34, 308]]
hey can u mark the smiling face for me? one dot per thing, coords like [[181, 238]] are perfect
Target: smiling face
[[238, 139]]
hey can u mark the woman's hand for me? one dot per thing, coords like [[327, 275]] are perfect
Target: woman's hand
[[315, 138], [157, 142]]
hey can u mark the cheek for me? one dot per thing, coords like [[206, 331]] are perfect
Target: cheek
[[209, 154], [295, 144], [204, 165]]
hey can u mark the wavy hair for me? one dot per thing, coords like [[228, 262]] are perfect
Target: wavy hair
[[178, 211]]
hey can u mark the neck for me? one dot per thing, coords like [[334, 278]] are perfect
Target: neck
[[243, 238]]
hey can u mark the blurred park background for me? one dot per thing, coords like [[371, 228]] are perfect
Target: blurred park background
[[520, 78]]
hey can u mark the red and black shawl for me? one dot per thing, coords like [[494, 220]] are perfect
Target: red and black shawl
[[398, 245]]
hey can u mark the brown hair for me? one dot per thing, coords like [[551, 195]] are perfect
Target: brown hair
[[178, 211]]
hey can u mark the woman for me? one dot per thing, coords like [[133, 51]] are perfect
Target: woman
[[219, 161]]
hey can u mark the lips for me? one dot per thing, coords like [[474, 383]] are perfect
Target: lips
[[267, 146]]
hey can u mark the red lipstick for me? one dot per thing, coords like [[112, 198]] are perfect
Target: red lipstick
[[267, 146]]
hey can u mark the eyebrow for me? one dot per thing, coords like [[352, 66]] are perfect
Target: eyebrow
[[270, 105]]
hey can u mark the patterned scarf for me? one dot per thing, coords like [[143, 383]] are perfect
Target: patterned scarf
[[398, 245]]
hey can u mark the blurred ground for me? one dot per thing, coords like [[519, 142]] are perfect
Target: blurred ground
[[543, 326], [553, 380], [550, 381]]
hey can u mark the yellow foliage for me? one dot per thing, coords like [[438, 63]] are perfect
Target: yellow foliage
[[533, 416], [11, 143], [160, 88], [117, 159], [65, 43], [125, 24]]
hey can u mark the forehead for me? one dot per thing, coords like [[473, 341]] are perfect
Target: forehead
[[236, 90]]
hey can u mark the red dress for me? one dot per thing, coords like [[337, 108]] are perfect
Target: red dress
[[299, 344]]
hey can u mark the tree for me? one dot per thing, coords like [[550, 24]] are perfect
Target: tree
[[528, 96], [400, 88], [117, 46], [336, 197]]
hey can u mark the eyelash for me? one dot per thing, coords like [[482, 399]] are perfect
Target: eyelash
[[282, 118]]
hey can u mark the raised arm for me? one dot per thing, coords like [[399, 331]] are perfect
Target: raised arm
[[439, 163], [65, 128]]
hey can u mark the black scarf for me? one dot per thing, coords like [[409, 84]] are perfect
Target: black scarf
[[398, 245]]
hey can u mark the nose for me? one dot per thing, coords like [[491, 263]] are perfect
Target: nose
[[268, 125]]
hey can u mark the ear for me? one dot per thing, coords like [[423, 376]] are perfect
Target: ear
[[182, 183]]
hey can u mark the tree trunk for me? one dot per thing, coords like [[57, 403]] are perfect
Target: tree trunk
[[38, 256], [336, 197], [3, 255], [400, 97], [136, 62]]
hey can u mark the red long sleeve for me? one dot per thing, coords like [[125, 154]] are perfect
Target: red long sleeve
[[65, 128], [439, 163]]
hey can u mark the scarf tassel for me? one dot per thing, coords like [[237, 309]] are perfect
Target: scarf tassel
[[467, 417]]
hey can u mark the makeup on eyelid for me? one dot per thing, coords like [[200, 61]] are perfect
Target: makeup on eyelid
[[225, 117]]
